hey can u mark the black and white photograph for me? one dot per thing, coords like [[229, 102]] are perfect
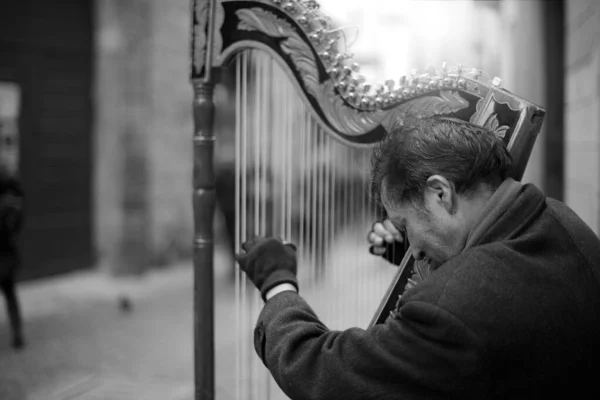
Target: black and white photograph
[[299, 199]]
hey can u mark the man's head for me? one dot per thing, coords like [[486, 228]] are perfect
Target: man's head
[[434, 176]]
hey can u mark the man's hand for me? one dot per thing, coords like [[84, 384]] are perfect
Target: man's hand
[[268, 262], [387, 241]]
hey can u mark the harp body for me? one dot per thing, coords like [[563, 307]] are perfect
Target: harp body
[[294, 122]]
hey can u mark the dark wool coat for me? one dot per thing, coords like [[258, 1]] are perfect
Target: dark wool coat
[[515, 316]]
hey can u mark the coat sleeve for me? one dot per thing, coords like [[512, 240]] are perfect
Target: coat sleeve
[[421, 352]]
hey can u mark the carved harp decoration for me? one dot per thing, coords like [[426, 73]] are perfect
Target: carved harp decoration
[[297, 34], [336, 117]]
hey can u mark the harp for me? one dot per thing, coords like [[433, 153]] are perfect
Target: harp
[[285, 148]]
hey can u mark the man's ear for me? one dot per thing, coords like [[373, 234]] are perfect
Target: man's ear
[[442, 192]]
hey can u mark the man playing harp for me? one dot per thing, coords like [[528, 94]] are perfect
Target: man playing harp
[[509, 308]]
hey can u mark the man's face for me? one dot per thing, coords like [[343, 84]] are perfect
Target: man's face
[[434, 231]]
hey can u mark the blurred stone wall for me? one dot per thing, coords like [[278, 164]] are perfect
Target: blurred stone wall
[[522, 66], [172, 131], [582, 104], [143, 133]]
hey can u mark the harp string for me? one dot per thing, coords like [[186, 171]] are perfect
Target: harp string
[[238, 277], [327, 205], [302, 192], [295, 181], [262, 104], [240, 217]]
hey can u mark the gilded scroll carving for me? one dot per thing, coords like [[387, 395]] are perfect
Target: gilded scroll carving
[[200, 30], [300, 52], [486, 117], [200, 39], [447, 102], [342, 117], [493, 125]]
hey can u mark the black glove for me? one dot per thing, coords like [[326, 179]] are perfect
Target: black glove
[[268, 262]]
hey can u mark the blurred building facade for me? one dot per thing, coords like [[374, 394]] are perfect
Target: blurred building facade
[[106, 127], [46, 51], [551, 56], [105, 130], [142, 134], [582, 103]]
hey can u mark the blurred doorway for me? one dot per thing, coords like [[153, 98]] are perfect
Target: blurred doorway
[[46, 49]]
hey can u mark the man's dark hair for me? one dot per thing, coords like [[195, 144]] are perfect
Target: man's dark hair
[[464, 153]]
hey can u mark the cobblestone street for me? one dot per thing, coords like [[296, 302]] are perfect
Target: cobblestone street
[[81, 346]]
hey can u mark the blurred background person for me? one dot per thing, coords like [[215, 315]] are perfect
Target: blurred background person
[[11, 208]]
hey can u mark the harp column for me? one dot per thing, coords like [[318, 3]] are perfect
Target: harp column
[[204, 197], [204, 206]]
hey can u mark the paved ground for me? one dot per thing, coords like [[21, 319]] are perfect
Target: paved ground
[[80, 346]]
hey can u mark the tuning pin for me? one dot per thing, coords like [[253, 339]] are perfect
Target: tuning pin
[[334, 61], [476, 73], [342, 85], [364, 102], [331, 46], [402, 81], [351, 85], [303, 20], [496, 82], [312, 4], [277, 1], [414, 83], [413, 78], [350, 96], [334, 72], [289, 7], [378, 88], [331, 43], [325, 55], [459, 69], [341, 57], [444, 68], [357, 100], [390, 84], [355, 67], [357, 80], [346, 71]]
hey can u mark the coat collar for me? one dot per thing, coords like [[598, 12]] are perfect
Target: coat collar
[[512, 208]]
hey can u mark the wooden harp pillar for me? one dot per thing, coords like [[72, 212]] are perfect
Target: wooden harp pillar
[[343, 111], [203, 205]]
